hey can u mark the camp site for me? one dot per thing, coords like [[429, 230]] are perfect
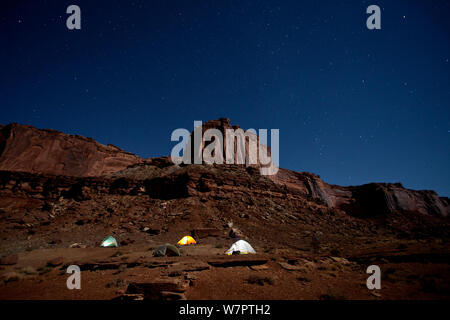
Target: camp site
[[187, 151]]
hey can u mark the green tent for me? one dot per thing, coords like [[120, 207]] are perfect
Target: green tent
[[166, 250], [109, 242]]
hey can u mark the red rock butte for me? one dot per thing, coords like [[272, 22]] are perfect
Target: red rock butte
[[25, 148]]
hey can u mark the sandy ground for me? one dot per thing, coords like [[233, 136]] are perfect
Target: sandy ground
[[416, 271]]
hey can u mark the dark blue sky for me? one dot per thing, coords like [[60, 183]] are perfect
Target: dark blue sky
[[353, 105]]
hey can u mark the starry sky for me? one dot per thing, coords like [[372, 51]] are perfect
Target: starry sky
[[353, 105]]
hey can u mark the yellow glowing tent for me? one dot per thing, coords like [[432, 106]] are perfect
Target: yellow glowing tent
[[186, 240]]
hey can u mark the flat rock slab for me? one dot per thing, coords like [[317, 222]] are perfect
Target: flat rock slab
[[259, 267], [198, 266], [105, 266], [238, 260], [178, 269], [158, 264], [290, 267], [158, 289]]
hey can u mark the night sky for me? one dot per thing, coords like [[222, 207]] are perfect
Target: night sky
[[353, 105]]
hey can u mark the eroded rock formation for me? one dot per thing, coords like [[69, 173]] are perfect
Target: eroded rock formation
[[25, 148]]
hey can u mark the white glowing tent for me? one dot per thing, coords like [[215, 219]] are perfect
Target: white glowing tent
[[241, 247]]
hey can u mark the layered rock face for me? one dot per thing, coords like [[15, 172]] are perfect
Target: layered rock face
[[369, 200], [229, 144], [25, 148]]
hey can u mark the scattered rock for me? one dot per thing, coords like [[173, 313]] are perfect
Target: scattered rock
[[116, 254], [235, 233], [154, 290], [174, 214], [340, 260], [205, 232], [11, 276], [290, 267], [175, 273], [77, 245], [118, 283], [259, 267], [190, 277], [29, 270], [308, 264], [152, 231]]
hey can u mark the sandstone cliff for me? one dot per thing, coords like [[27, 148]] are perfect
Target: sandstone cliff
[[25, 148]]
